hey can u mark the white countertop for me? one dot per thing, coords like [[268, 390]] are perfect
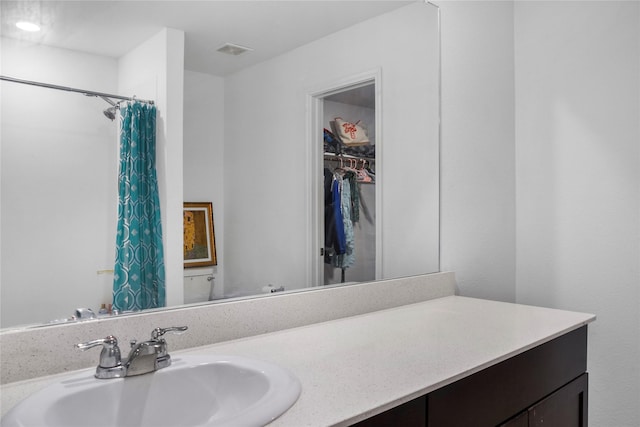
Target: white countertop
[[359, 366]]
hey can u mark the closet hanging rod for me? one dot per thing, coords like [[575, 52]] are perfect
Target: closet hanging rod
[[71, 89], [337, 157]]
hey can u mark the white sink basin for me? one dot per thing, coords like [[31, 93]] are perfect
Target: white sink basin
[[193, 391]]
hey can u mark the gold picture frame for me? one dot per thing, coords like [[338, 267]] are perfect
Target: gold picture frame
[[199, 244]]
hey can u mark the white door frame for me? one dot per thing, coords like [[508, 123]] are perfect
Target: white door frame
[[315, 165]]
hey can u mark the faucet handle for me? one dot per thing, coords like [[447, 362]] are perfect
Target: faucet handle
[[107, 341], [110, 355], [164, 359], [158, 332]]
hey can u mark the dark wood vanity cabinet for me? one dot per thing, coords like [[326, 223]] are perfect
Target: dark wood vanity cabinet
[[546, 386], [564, 407]]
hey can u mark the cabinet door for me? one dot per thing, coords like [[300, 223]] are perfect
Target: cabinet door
[[566, 407]]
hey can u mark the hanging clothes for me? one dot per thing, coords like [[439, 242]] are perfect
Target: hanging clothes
[[355, 195], [336, 202], [348, 258], [334, 241], [139, 279]]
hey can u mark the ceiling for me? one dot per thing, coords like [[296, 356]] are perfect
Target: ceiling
[[113, 28]]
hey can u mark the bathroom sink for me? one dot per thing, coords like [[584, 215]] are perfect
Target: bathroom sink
[[193, 391]]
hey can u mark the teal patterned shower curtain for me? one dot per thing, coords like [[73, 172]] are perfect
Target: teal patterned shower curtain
[[139, 280]]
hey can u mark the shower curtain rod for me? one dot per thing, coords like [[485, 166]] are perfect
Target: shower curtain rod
[[70, 89]]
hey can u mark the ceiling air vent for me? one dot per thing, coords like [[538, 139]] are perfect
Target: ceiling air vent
[[233, 49]]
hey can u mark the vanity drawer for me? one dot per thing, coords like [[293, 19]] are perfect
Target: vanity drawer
[[410, 414]]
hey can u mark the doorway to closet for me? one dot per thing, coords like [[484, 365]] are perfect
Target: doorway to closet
[[350, 246]]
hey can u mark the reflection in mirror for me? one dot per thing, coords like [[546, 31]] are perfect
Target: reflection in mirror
[[252, 144], [349, 191]]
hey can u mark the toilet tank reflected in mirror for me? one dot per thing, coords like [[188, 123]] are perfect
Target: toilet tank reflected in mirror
[[198, 288]]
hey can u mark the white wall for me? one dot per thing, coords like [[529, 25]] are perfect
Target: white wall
[[562, 174], [578, 183], [478, 149], [266, 220], [203, 157], [155, 70], [58, 217]]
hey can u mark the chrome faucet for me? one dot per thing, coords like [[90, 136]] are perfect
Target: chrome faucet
[[144, 357]]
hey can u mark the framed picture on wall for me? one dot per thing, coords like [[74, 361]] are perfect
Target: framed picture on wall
[[199, 237]]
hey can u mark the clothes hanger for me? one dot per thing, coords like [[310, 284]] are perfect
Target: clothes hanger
[[362, 175], [340, 169]]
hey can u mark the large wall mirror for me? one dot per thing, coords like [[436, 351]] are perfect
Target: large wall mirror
[[252, 144]]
